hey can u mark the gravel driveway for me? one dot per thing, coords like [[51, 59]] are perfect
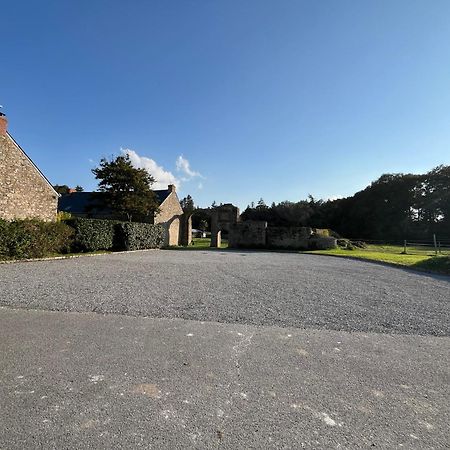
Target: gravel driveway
[[280, 371], [258, 288]]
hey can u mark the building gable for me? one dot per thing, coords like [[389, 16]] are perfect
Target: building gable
[[24, 190]]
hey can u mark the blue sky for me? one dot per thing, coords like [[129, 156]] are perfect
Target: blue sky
[[273, 99]]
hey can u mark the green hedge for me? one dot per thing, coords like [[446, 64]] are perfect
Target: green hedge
[[93, 234], [99, 234], [139, 236], [33, 238]]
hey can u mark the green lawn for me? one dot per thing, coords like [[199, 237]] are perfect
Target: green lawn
[[201, 244], [419, 259]]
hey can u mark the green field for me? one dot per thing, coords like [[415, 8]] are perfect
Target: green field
[[417, 257]]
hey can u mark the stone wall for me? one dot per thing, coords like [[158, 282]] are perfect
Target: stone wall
[[289, 237], [170, 217], [250, 234], [223, 218], [256, 234], [24, 192]]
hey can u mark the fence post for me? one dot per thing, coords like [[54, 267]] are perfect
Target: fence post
[[404, 246], [435, 244]]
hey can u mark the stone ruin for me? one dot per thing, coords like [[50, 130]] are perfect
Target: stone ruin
[[256, 234], [223, 218]]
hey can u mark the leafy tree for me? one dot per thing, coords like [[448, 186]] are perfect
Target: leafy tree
[[187, 204], [203, 225], [79, 188], [433, 200], [126, 189], [61, 188], [261, 204]]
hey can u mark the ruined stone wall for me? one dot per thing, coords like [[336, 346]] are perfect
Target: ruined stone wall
[[256, 234], [24, 193], [223, 218], [250, 234], [289, 237], [170, 216]]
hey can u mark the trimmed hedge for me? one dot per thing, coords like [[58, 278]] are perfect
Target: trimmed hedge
[[139, 236], [21, 239], [93, 234], [99, 234]]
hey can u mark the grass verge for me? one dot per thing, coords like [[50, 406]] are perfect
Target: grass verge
[[393, 255]]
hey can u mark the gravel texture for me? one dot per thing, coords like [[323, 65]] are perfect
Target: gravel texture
[[258, 288]]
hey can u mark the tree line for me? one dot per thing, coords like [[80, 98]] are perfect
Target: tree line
[[394, 207]]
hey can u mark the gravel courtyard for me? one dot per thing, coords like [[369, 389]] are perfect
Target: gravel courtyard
[[258, 288], [230, 350]]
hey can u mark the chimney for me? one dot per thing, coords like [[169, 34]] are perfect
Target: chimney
[[3, 124], [171, 188]]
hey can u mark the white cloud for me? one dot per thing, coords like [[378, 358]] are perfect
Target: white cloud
[[200, 185], [162, 177], [184, 166]]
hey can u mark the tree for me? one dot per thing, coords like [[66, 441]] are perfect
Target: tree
[[187, 204], [61, 188], [433, 200], [213, 204], [79, 188], [126, 189], [203, 225], [261, 204]]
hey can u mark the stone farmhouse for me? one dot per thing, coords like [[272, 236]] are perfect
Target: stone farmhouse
[[24, 190], [82, 204]]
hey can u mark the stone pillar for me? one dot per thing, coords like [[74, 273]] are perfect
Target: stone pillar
[[186, 229], [216, 239], [215, 231]]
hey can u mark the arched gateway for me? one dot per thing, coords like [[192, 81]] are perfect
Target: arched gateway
[[223, 218]]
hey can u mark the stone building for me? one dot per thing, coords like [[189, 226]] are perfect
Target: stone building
[[82, 204], [25, 193]]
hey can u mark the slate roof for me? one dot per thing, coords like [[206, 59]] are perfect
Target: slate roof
[[83, 202], [162, 194]]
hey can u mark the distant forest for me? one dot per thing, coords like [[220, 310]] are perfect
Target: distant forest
[[392, 208]]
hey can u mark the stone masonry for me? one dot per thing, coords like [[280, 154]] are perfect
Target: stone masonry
[[24, 191], [170, 217]]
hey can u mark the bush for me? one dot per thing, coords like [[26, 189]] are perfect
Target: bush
[[321, 231], [33, 238], [93, 234], [99, 234], [139, 236], [62, 216]]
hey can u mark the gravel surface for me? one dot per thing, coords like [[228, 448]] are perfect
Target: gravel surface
[[259, 288]]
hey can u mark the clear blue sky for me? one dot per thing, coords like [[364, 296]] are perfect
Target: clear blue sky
[[273, 99]]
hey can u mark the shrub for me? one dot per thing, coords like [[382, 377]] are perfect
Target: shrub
[[62, 216], [93, 234], [321, 231], [139, 236], [33, 238], [3, 238]]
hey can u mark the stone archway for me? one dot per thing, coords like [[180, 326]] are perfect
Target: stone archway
[[222, 219]]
